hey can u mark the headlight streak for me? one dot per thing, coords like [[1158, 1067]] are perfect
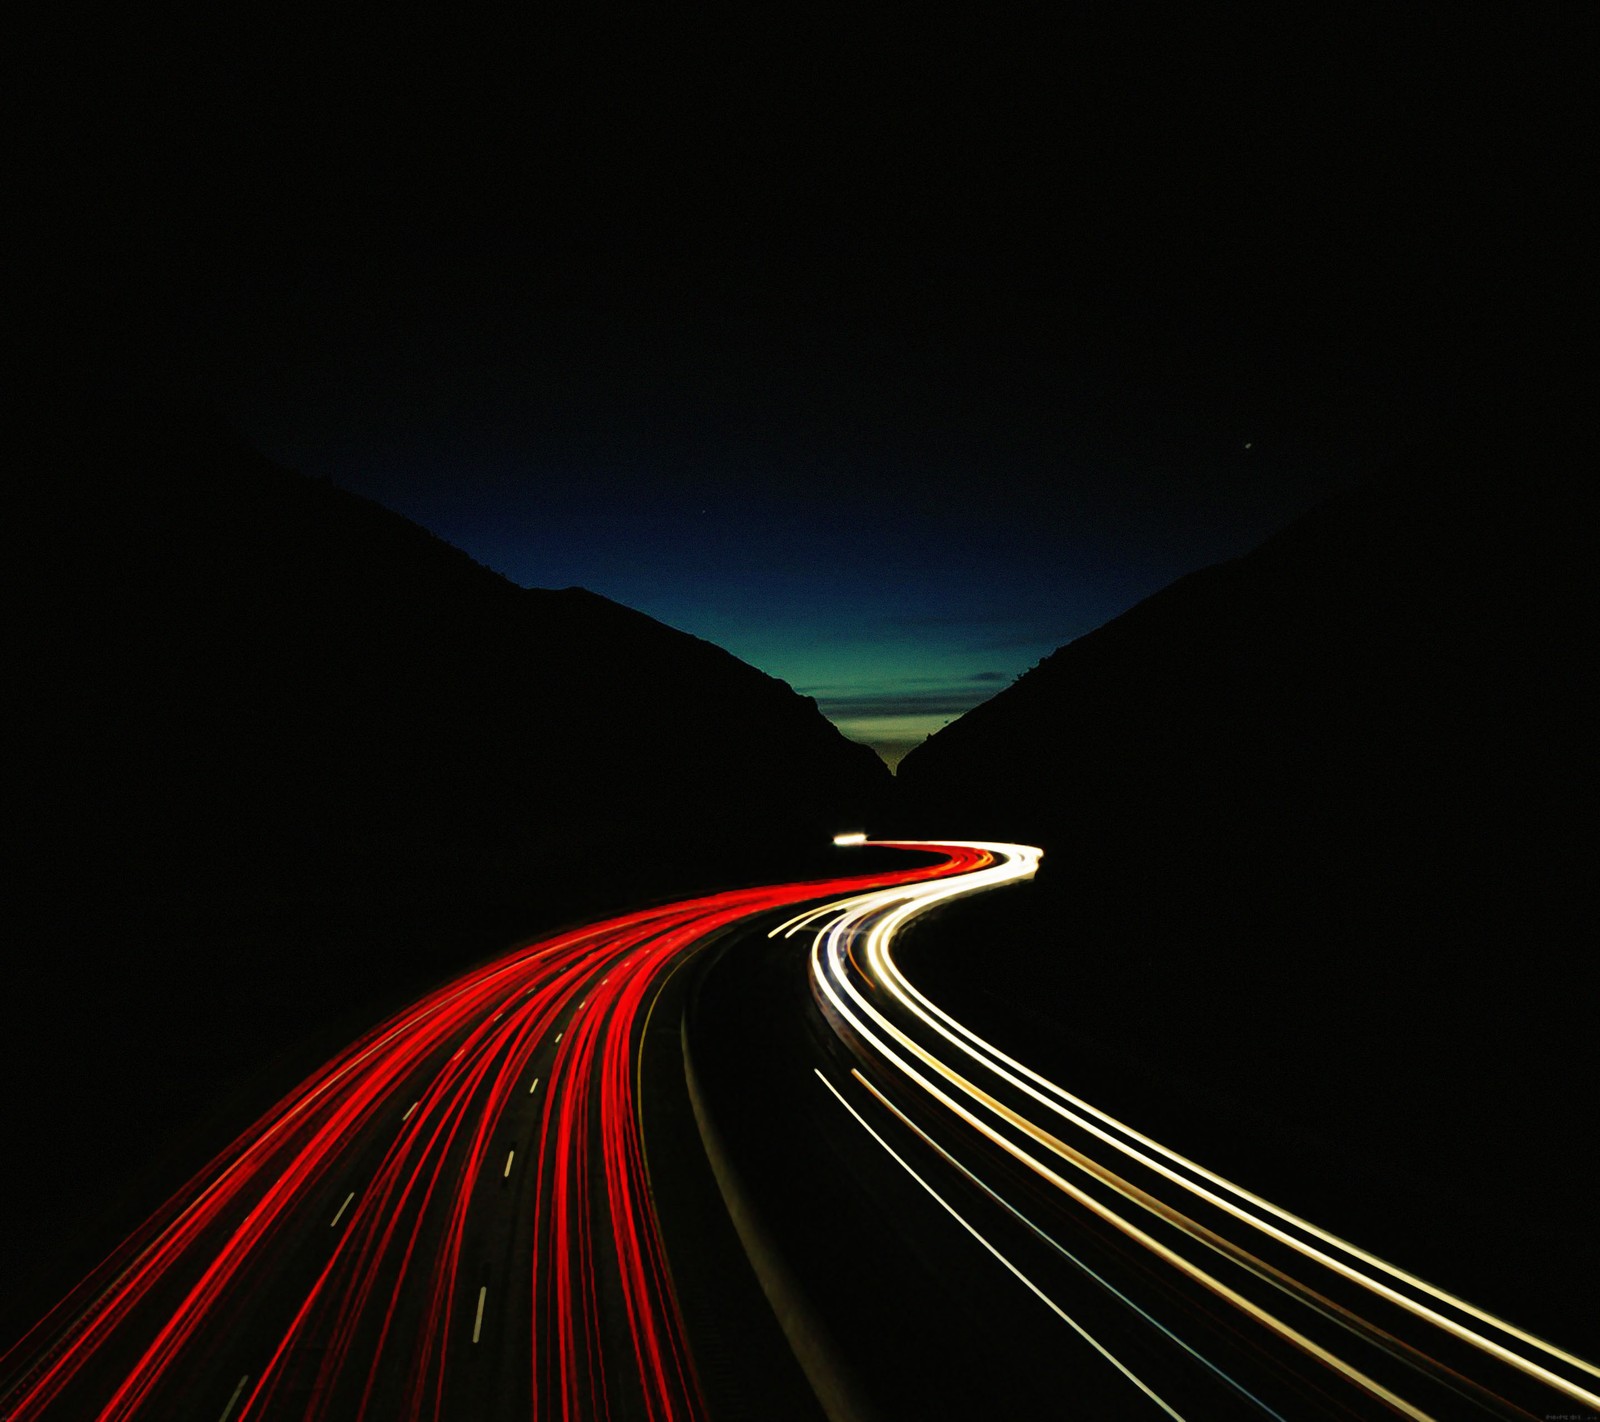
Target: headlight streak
[[408, 1279], [882, 961], [1222, 1290], [1049, 1239], [1277, 1278], [961, 1219], [838, 960]]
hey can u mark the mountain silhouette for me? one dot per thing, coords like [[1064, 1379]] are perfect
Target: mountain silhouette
[[278, 756], [236, 675], [1320, 846], [1387, 696]]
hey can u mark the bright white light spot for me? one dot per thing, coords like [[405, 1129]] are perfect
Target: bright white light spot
[[849, 839]]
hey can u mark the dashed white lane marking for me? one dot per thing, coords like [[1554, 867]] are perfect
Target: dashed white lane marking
[[228, 1410]]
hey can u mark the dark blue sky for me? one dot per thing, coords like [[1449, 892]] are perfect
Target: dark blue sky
[[889, 356], [897, 574]]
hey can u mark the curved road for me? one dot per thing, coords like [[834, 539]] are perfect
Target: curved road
[[983, 1240], [456, 1217], [453, 1218]]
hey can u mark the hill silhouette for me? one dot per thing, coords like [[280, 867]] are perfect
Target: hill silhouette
[[280, 756], [1320, 849]]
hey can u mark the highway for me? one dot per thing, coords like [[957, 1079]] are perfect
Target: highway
[[1064, 1260], [452, 1218], [457, 1217]]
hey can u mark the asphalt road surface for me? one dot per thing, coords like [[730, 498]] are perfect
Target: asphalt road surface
[[578, 1182], [971, 1239]]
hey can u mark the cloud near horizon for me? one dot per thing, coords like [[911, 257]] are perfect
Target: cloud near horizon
[[894, 721], [947, 701]]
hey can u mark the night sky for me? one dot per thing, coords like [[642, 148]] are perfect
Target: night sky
[[889, 356]]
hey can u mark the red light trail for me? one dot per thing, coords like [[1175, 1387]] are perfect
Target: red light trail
[[454, 1217], [466, 1182]]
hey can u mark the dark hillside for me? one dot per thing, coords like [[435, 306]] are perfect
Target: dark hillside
[[276, 755], [230, 673], [1394, 688], [1320, 835]]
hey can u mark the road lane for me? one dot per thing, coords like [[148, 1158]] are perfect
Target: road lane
[[453, 1280], [1326, 1327], [458, 1215]]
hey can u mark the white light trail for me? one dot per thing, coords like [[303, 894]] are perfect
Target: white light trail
[[1039, 1293], [1056, 1245], [854, 936]]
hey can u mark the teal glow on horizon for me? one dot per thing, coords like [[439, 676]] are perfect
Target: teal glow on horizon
[[886, 681], [897, 606]]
